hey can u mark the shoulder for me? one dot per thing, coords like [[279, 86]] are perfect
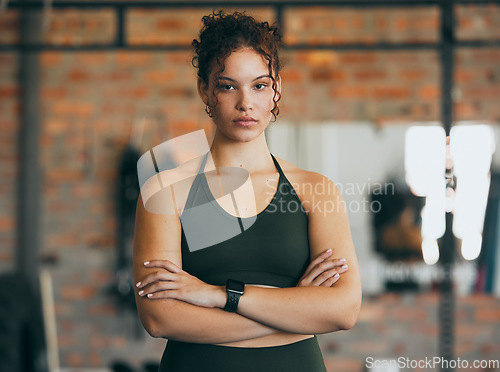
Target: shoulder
[[166, 192], [311, 187]]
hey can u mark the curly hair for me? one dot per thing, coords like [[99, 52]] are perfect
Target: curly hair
[[225, 33]]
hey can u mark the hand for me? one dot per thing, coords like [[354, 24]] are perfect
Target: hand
[[172, 282], [322, 271]]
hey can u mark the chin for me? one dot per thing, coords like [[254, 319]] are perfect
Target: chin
[[244, 134]]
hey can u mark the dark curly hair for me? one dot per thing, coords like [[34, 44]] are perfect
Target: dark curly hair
[[225, 33]]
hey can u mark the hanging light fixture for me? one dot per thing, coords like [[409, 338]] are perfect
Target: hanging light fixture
[[471, 149]]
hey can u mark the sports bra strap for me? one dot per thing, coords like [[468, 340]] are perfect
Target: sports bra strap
[[278, 166], [204, 161], [202, 166]]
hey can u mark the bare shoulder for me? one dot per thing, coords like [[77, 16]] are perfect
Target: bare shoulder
[[310, 186], [167, 191]]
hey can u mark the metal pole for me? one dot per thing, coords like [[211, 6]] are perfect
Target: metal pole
[[447, 251], [29, 184]]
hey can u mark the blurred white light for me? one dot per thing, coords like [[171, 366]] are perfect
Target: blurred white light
[[430, 251], [425, 150], [471, 246], [471, 148], [425, 159]]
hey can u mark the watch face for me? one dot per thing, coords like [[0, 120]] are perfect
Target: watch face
[[235, 285]]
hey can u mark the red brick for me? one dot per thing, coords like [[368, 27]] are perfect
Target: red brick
[[465, 110], [394, 92], [78, 292], [349, 92], [478, 299], [429, 92], [462, 348], [409, 314], [61, 174], [463, 75], [74, 359], [67, 341], [7, 223], [484, 92], [9, 92], [95, 359], [118, 75], [292, 75], [159, 76], [370, 74], [133, 58], [487, 315], [413, 74], [92, 58], [428, 298], [325, 76], [54, 92], [485, 56], [372, 312], [367, 57], [169, 24], [431, 330], [78, 109], [102, 310], [317, 58], [401, 24], [61, 240]]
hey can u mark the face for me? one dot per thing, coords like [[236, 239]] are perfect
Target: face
[[244, 93]]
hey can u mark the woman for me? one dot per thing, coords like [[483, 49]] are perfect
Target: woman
[[254, 301]]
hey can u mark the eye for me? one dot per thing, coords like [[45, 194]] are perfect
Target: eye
[[225, 86], [260, 86]]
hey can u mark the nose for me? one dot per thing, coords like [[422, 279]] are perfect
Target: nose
[[244, 102]]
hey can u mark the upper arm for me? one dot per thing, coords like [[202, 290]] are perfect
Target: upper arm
[[156, 237], [329, 228]]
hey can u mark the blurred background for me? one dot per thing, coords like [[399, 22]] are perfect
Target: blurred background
[[86, 87]]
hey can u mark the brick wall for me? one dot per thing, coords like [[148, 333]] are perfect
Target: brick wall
[[90, 100], [392, 325]]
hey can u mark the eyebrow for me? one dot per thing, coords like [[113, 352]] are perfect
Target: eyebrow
[[257, 78]]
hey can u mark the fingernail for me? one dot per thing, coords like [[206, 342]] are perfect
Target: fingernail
[[150, 295], [140, 293], [336, 275], [345, 266], [138, 284], [342, 260], [146, 263], [329, 251]]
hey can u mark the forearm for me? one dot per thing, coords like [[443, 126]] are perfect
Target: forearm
[[303, 310], [190, 323]]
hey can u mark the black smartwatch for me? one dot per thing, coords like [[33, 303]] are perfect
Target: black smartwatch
[[234, 290]]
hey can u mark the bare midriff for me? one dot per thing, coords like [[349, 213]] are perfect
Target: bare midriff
[[276, 339]]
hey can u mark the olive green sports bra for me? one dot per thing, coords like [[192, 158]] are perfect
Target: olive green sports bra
[[271, 248]]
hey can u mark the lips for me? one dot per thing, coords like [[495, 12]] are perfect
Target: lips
[[245, 121]]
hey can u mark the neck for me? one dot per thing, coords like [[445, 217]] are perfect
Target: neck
[[253, 155]]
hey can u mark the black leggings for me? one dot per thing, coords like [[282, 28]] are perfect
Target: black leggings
[[300, 356]]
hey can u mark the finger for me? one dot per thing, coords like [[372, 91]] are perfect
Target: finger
[[158, 287], [331, 281], [324, 276], [164, 264], [323, 256], [337, 272], [320, 268], [162, 295], [155, 277]]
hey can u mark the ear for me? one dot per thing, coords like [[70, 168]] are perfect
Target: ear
[[202, 90], [278, 84]]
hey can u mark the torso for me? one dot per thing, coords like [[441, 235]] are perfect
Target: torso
[[264, 184]]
